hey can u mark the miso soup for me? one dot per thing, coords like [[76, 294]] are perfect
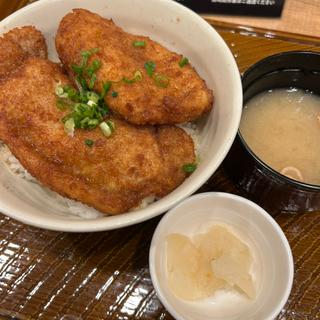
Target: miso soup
[[282, 127]]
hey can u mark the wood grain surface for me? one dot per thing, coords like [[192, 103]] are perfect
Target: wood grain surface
[[54, 275], [8, 6]]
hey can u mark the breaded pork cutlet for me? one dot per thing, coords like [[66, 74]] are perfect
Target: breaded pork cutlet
[[154, 85], [19, 44], [112, 174]]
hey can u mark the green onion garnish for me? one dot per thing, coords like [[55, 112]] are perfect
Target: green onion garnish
[[161, 80], [92, 96], [105, 88], [114, 94], [69, 126], [137, 77], [96, 64], [60, 92], [150, 66], [71, 92], [107, 128], [92, 81], [87, 108], [63, 104], [189, 167], [91, 103], [184, 61], [82, 84], [79, 69], [139, 44], [89, 142], [111, 125], [89, 53], [76, 69]]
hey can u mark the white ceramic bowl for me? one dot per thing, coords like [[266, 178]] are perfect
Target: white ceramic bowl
[[179, 29], [272, 267]]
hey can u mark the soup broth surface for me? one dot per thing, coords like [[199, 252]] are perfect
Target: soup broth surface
[[282, 127]]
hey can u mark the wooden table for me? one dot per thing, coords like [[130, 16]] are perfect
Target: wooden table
[[298, 16], [54, 275]]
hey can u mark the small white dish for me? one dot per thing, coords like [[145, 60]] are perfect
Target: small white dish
[[179, 29], [272, 268]]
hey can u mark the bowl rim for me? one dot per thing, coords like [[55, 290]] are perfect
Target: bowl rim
[[118, 221], [272, 57], [259, 210], [277, 175]]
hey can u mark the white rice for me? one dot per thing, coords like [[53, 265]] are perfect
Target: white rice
[[71, 207], [193, 131], [145, 202]]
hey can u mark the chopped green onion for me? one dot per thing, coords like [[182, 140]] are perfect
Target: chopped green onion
[[184, 61], [94, 50], [189, 167], [90, 52], [96, 64], [107, 128], [103, 109], [86, 55], [138, 44], [161, 80], [59, 90], [105, 88], [150, 67], [87, 108], [72, 93], [137, 77], [62, 104], [88, 123], [69, 126], [77, 69], [87, 115], [91, 103], [111, 124], [91, 95], [92, 81], [127, 80], [89, 142], [114, 94], [81, 83]]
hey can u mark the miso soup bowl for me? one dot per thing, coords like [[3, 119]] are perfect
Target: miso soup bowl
[[267, 187]]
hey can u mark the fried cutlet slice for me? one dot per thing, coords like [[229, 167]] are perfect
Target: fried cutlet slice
[[115, 174], [186, 96], [30, 40], [18, 44]]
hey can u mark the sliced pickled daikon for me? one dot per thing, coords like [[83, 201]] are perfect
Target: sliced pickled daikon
[[190, 276], [230, 257], [231, 268], [213, 260]]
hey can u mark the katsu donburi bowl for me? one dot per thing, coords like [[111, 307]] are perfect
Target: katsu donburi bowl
[[178, 29]]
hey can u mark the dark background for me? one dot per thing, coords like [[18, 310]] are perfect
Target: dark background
[[271, 8]]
